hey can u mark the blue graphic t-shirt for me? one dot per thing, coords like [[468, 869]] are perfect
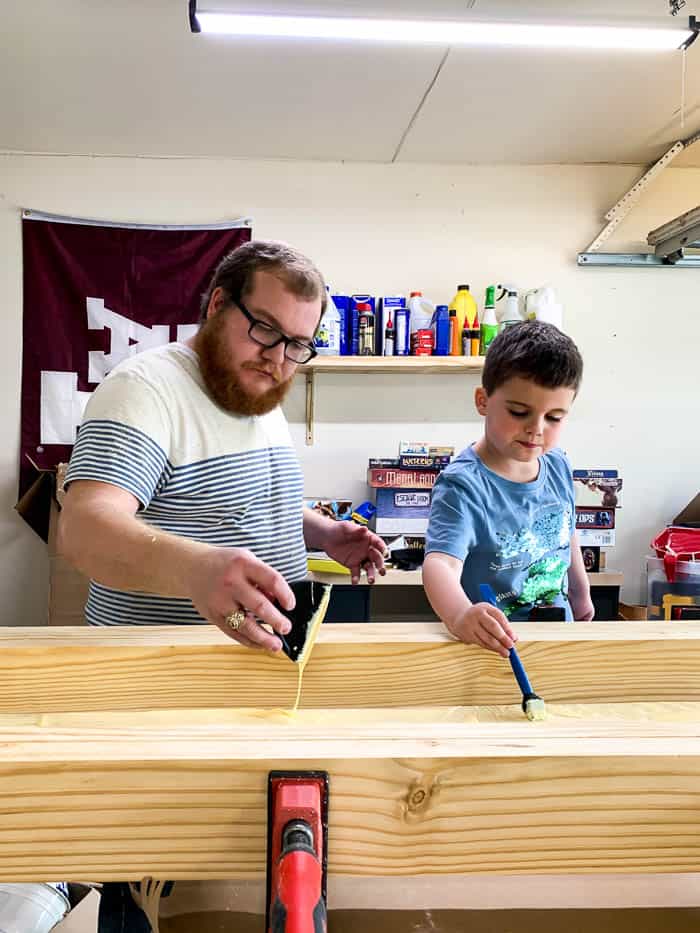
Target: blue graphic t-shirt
[[515, 536]]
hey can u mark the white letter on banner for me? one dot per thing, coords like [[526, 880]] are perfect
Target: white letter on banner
[[122, 332], [185, 331], [62, 407]]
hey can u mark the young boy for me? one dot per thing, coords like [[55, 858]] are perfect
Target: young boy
[[503, 511]]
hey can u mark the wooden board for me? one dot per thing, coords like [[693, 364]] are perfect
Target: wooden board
[[353, 665], [413, 792], [115, 763]]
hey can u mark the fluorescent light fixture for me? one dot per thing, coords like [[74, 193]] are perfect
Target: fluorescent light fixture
[[446, 33]]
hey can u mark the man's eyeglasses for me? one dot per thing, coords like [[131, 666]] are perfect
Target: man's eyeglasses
[[267, 336]]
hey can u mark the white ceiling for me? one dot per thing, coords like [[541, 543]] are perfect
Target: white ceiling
[[126, 77]]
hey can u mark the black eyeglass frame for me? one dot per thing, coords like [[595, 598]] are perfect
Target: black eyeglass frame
[[282, 338]]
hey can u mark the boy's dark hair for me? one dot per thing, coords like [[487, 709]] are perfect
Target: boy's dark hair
[[536, 351], [295, 270]]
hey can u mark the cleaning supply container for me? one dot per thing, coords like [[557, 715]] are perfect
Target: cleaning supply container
[[421, 312], [465, 306], [442, 331], [510, 311], [31, 908], [327, 339], [489, 323]]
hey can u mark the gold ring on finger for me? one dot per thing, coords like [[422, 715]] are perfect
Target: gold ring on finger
[[235, 619]]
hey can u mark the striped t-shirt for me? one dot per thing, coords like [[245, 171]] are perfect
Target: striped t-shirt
[[196, 470]]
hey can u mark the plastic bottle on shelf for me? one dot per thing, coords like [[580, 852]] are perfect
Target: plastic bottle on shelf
[[455, 334], [489, 322], [442, 331], [327, 339], [389, 337], [421, 313], [510, 311], [466, 308], [466, 339], [365, 324], [541, 305]]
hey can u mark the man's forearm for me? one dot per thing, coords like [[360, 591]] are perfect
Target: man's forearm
[[121, 551], [316, 530]]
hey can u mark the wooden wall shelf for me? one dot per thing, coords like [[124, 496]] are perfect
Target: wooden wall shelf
[[415, 578], [404, 365], [394, 365]]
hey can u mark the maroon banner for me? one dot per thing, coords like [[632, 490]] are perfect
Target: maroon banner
[[94, 295]]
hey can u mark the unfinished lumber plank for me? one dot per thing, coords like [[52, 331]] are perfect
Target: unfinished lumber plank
[[413, 792], [390, 665]]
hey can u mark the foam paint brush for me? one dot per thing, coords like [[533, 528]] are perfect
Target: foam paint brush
[[533, 705]]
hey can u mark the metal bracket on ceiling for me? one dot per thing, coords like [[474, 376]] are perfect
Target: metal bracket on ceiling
[[617, 213], [670, 243], [639, 260], [672, 239], [694, 27]]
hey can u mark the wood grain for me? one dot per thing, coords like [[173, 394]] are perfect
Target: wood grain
[[115, 762], [120, 796], [361, 666]]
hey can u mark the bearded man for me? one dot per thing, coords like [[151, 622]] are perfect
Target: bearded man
[[184, 495]]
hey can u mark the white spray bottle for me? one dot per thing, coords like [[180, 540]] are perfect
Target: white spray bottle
[[509, 312]]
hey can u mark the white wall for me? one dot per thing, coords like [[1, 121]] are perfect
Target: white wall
[[386, 229]]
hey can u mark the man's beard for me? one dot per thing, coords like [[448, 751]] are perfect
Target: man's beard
[[223, 384]]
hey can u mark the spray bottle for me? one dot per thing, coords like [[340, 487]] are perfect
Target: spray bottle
[[489, 323], [510, 314]]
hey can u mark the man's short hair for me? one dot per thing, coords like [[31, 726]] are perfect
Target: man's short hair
[[295, 270], [536, 351]]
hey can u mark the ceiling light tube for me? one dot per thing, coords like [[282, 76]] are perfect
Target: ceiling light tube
[[437, 32]]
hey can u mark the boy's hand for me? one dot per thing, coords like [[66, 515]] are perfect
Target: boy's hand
[[485, 625]]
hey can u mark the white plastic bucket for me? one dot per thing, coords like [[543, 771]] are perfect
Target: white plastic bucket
[[31, 908]]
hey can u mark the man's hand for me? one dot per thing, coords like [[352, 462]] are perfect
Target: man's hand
[[229, 579], [357, 548], [485, 625]]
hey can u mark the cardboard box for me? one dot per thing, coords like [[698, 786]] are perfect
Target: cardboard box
[[401, 479], [402, 511], [690, 515], [68, 588], [598, 519], [598, 489], [591, 537]]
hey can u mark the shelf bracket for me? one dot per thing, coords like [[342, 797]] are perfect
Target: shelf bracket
[[309, 407]]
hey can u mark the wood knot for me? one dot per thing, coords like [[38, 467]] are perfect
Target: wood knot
[[418, 798]]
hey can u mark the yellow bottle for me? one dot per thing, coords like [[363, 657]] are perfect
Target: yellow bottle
[[465, 306]]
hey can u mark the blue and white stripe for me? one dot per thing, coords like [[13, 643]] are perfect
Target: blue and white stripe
[[251, 499]]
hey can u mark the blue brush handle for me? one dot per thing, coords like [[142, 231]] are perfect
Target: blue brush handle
[[488, 596], [520, 674]]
